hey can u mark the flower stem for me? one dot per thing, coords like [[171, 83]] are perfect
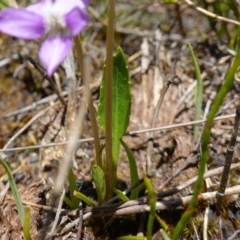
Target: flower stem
[[109, 174], [93, 120]]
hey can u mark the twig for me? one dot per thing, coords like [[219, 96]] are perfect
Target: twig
[[234, 235], [173, 203], [205, 223], [79, 233], [160, 205], [44, 74], [155, 116], [228, 160], [72, 143], [208, 174], [48, 99], [195, 230], [29, 123], [59, 210], [213, 15], [192, 159], [169, 127]]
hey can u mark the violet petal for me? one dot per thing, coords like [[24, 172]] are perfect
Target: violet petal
[[21, 23], [53, 51], [39, 7], [76, 20], [66, 6]]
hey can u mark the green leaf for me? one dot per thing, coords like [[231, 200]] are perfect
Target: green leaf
[[67, 201], [133, 170], [164, 235], [15, 193], [72, 188], [26, 225], [152, 203], [121, 102], [131, 238], [121, 195], [99, 180], [84, 198], [198, 93], [3, 4]]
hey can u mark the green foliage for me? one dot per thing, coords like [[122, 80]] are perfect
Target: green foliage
[[198, 92], [122, 196], [26, 224], [121, 103], [99, 180], [18, 201], [225, 88], [164, 235], [152, 203], [72, 188], [3, 4], [131, 238], [84, 198], [133, 169]]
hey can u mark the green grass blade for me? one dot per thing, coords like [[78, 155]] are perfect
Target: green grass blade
[[198, 93], [3, 4], [225, 88], [72, 188], [131, 238], [15, 193], [26, 225], [84, 198], [164, 235], [122, 196], [99, 180], [133, 169], [152, 203], [68, 202], [121, 102]]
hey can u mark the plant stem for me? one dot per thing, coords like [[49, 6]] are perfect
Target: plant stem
[[228, 160], [92, 114], [109, 74]]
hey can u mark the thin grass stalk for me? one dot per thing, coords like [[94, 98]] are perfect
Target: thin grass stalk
[[26, 224], [92, 114], [152, 204], [198, 92], [225, 88], [109, 174], [228, 161]]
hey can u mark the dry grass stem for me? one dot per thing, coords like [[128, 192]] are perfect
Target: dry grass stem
[[210, 14]]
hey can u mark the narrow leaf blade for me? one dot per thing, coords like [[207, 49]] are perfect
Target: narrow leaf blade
[[15, 193], [84, 198], [133, 169]]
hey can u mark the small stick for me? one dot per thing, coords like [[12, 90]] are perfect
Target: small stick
[[79, 233], [228, 160], [197, 122], [59, 210], [141, 208], [155, 116], [50, 80], [213, 15]]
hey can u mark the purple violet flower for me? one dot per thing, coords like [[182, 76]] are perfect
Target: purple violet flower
[[59, 20]]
